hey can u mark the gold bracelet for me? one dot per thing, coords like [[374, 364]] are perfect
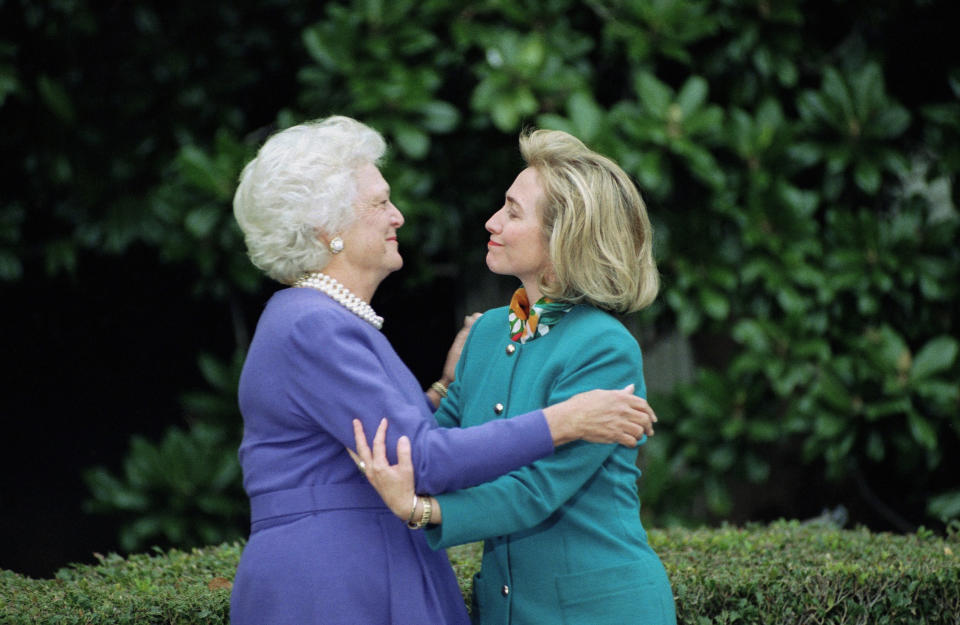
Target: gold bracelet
[[427, 512], [424, 517], [439, 388], [413, 510]]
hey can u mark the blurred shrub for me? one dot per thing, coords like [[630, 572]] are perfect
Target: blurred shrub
[[186, 489], [781, 573]]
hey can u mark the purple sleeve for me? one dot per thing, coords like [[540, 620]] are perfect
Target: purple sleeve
[[339, 374]]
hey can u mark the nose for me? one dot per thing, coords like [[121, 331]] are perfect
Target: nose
[[493, 224], [396, 218]]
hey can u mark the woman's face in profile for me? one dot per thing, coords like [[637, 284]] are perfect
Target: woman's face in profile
[[370, 244], [517, 246]]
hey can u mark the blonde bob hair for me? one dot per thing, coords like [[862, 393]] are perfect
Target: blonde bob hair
[[599, 237], [302, 184]]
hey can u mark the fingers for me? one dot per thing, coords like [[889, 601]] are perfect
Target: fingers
[[626, 440], [641, 418], [630, 387], [643, 424], [360, 439], [643, 412], [645, 429], [645, 406], [639, 403], [403, 452], [380, 443]]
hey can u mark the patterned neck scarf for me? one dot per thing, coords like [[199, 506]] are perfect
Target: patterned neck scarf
[[528, 323]]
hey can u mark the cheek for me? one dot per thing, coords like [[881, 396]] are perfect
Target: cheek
[[533, 240]]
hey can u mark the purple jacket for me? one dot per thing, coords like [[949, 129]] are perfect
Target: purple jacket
[[323, 548]]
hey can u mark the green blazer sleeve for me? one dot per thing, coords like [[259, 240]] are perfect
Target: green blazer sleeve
[[528, 496]]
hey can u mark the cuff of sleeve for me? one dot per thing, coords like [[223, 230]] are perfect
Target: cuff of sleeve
[[445, 535], [541, 430]]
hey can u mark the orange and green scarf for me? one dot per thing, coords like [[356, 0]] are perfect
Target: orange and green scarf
[[528, 323]]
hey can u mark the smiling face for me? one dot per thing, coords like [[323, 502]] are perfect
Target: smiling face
[[517, 245], [370, 248]]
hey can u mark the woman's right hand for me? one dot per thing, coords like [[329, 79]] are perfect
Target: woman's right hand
[[453, 355], [601, 417], [394, 482]]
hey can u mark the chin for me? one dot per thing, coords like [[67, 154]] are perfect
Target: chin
[[492, 266]]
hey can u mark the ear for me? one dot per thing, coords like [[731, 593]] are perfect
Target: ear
[[548, 276], [321, 236]]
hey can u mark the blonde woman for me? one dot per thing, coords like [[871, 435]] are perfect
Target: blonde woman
[[563, 541]]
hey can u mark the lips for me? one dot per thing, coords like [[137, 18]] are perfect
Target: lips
[[492, 243]]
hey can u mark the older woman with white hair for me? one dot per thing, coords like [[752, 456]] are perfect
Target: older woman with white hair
[[563, 541], [317, 217]]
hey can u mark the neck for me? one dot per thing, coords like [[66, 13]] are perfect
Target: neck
[[342, 294], [362, 288], [532, 287]]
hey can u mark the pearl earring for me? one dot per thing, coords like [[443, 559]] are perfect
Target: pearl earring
[[336, 245]]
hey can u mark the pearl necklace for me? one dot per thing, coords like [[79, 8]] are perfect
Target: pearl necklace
[[340, 294]]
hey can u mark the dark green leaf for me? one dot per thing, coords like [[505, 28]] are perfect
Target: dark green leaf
[[935, 356]]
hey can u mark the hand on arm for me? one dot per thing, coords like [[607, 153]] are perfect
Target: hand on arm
[[596, 416], [394, 482], [600, 416]]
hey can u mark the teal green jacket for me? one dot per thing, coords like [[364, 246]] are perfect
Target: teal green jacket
[[563, 542]]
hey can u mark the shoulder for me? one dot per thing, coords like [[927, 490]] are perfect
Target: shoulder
[[593, 349], [293, 303], [491, 327], [305, 315], [589, 328], [492, 321]]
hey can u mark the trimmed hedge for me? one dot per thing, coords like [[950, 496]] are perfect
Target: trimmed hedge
[[795, 573], [786, 572]]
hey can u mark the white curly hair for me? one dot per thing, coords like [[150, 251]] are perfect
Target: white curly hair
[[302, 184]]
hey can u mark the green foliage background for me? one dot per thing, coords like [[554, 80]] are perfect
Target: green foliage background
[[799, 163]]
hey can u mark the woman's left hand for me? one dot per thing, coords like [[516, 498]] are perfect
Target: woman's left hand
[[453, 354], [394, 482]]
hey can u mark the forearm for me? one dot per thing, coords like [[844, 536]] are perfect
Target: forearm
[[518, 501], [448, 459], [600, 416], [436, 517], [562, 429]]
